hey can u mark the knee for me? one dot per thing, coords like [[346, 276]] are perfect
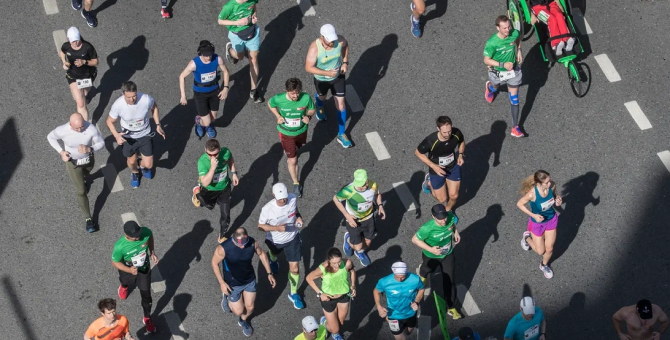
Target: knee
[[292, 160], [81, 191], [419, 7], [249, 307], [549, 249], [81, 103], [453, 196], [514, 98]]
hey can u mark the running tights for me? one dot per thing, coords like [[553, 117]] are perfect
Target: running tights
[[448, 266], [77, 174]]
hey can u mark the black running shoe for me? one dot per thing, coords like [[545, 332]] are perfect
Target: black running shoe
[[91, 226], [91, 21], [76, 5]]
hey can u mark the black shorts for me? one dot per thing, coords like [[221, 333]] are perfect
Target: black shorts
[[144, 145], [206, 102], [71, 79], [208, 198], [292, 250], [402, 324], [336, 86], [141, 280], [367, 229], [329, 306]]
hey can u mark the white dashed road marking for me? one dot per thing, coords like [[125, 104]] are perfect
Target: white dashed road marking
[[424, 328], [353, 100], [59, 39], [580, 21], [377, 145], [306, 8], [405, 196], [50, 6], [665, 158], [112, 178], [608, 68], [469, 306], [637, 114], [157, 282], [176, 328]]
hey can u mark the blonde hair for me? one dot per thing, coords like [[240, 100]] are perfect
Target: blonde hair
[[530, 181]]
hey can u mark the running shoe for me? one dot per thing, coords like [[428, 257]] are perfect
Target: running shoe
[[516, 132], [416, 27], [211, 132], [274, 267], [165, 14], [320, 112], [199, 130], [344, 140], [123, 292], [91, 21], [488, 95], [425, 186], [297, 301], [147, 173], [246, 327], [546, 270], [455, 218], [76, 5], [134, 180], [570, 45], [337, 336], [90, 225], [229, 57], [524, 243], [559, 48], [149, 325], [346, 246], [363, 257], [224, 304], [255, 96], [195, 199], [322, 321], [454, 313], [296, 190]]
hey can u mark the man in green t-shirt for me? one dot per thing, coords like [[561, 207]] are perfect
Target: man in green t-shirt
[[240, 17], [214, 167], [293, 110], [131, 256], [503, 56], [437, 238], [312, 330]]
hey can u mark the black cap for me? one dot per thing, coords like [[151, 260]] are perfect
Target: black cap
[[466, 333], [207, 51], [644, 309], [132, 229], [439, 211]]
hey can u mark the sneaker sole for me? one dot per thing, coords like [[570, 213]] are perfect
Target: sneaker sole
[[342, 143], [486, 90], [118, 291], [145, 327], [76, 9], [293, 302], [240, 324], [545, 274]]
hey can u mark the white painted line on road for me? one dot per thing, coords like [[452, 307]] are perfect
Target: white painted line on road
[[129, 216], [426, 287], [59, 39], [608, 68], [405, 196], [580, 21], [665, 158], [50, 6], [637, 114], [157, 282], [353, 100], [377, 145], [306, 8], [423, 332], [176, 328], [468, 303], [112, 178]]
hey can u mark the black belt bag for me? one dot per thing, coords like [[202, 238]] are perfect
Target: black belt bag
[[82, 162], [247, 33]]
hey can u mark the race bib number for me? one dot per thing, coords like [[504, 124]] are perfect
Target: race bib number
[[83, 161], [543, 16], [134, 125], [446, 160], [394, 325], [547, 205], [292, 122], [207, 77], [531, 332], [84, 83], [446, 249], [506, 75], [220, 177], [139, 259], [365, 206]]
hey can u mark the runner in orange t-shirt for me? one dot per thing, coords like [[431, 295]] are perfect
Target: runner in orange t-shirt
[[110, 326]]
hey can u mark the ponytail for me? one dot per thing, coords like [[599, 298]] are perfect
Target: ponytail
[[529, 182]]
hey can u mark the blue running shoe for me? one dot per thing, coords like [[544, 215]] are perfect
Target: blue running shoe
[[274, 267], [363, 257], [455, 218], [246, 327], [147, 173], [416, 27], [322, 321], [344, 141], [346, 246], [320, 112], [199, 130], [337, 336], [211, 132], [224, 304], [134, 180], [425, 186], [297, 301]]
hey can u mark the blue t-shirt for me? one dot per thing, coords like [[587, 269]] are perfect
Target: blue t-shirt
[[400, 295], [520, 329]]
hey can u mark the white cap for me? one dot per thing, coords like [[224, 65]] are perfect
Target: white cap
[[399, 268], [328, 32], [528, 305], [309, 323], [73, 34], [280, 191]]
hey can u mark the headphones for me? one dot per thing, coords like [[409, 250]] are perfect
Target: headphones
[[205, 43]]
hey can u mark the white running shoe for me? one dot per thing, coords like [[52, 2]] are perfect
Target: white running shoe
[[559, 48], [546, 270], [570, 44], [524, 243]]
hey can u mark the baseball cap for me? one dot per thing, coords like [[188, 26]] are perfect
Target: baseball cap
[[360, 177], [399, 268], [328, 32], [280, 191], [73, 34], [309, 323], [439, 211], [132, 229], [644, 309], [466, 333], [528, 305]]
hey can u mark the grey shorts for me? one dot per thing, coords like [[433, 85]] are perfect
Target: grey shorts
[[236, 291], [514, 82]]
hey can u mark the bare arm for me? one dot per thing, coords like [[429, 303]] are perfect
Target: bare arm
[[310, 63], [419, 296], [423, 245], [264, 258], [187, 70], [617, 319], [521, 204], [490, 62], [110, 125], [377, 296], [662, 320], [226, 75], [315, 274], [424, 159], [219, 255], [122, 267]]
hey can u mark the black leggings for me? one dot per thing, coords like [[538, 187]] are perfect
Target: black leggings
[[143, 283], [447, 264], [209, 198]]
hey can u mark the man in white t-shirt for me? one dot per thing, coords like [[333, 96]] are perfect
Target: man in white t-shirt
[[135, 109], [282, 222]]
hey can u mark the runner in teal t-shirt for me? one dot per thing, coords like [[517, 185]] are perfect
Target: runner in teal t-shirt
[[528, 324], [404, 292]]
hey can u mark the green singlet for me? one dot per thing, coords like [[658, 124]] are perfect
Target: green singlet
[[335, 283], [502, 50], [292, 111]]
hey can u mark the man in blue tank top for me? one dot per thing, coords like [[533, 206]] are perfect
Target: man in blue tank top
[[206, 90], [238, 282]]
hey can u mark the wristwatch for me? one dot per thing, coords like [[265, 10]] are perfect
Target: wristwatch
[[319, 294]]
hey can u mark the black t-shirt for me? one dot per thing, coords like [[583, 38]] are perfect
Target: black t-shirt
[[86, 52], [540, 2], [439, 151], [238, 269]]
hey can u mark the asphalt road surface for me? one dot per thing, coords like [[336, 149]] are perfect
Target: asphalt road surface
[[612, 234]]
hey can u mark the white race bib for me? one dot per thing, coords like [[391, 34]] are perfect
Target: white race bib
[[220, 177], [531, 332], [84, 83], [446, 249], [134, 125], [139, 259], [207, 77], [446, 160], [547, 204], [543, 16], [394, 325], [83, 161], [506, 75], [365, 206], [292, 122]]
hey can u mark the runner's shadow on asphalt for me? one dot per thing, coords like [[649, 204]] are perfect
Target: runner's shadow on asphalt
[[322, 134], [103, 6], [163, 331], [178, 126], [438, 12], [474, 240], [577, 195], [572, 315], [177, 260], [122, 66], [118, 163], [268, 297], [476, 167], [11, 152], [535, 73]]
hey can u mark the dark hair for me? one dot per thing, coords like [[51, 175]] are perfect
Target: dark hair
[[331, 254], [501, 18], [203, 44], [529, 182], [212, 145], [128, 86], [239, 232], [108, 304], [442, 121], [293, 84]]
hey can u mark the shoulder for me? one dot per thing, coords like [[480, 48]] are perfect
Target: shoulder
[[342, 40], [456, 132], [278, 97], [514, 34], [373, 185], [225, 153], [146, 232], [202, 158], [66, 45]]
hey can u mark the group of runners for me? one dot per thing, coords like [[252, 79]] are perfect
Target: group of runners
[[398, 295]]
